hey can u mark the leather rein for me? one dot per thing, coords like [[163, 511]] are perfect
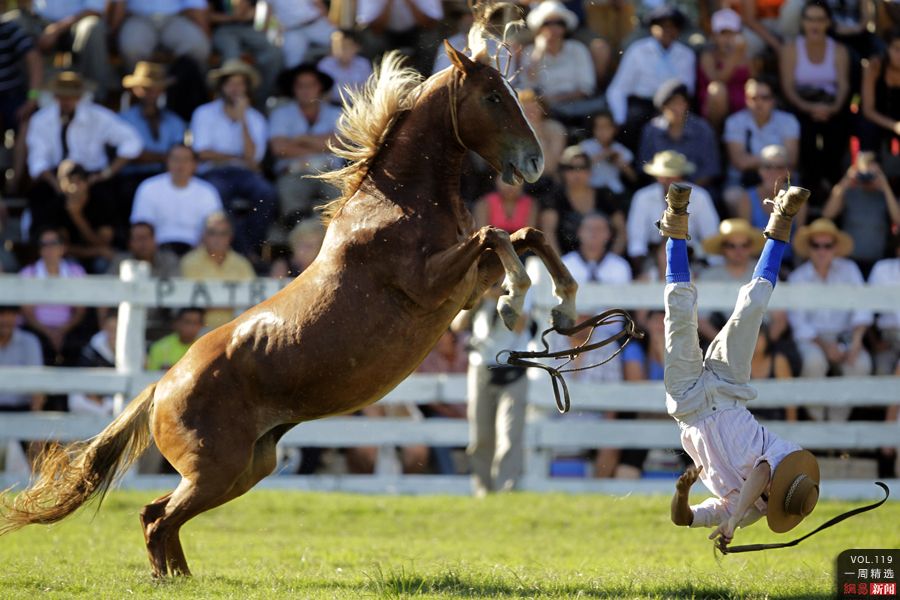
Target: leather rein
[[523, 358]]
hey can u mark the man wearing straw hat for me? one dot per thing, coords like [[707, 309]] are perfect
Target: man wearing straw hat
[[77, 129], [737, 242], [752, 472], [230, 138], [667, 167], [159, 128], [829, 340]]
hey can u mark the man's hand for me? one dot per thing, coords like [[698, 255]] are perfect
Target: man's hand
[[24, 112], [680, 509], [833, 352], [238, 110], [724, 533], [820, 112], [688, 478], [75, 204]]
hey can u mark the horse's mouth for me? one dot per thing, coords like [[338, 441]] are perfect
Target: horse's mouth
[[511, 175]]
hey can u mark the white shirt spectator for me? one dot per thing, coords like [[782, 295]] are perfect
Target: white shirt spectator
[[55, 10], [604, 173], [612, 269], [288, 121], [645, 66], [887, 272], [490, 336], [351, 77], [572, 70], [808, 324], [648, 203], [163, 7], [177, 214], [91, 129], [781, 126], [214, 130], [741, 128], [401, 17]]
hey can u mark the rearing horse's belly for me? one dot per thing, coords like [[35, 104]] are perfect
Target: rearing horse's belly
[[325, 345]]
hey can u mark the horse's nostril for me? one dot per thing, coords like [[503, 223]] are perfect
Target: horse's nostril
[[535, 163]]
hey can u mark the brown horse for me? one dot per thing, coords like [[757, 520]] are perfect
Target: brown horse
[[400, 259]]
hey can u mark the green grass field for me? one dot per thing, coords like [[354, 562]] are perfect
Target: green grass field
[[272, 544]]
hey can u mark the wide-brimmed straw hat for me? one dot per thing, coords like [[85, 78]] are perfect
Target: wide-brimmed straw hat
[[234, 66], [843, 242], [669, 163], [68, 84], [735, 227], [551, 8], [794, 491], [149, 75]]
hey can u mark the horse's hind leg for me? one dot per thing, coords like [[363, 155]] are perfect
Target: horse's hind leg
[[563, 314], [190, 499], [172, 553], [149, 514]]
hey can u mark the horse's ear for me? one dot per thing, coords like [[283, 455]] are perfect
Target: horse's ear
[[458, 59]]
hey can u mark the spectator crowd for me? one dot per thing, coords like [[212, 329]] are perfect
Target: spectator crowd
[[182, 132]]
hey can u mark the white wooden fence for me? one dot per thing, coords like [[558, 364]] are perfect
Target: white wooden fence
[[134, 292]]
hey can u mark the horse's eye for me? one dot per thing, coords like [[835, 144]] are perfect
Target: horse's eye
[[494, 97]]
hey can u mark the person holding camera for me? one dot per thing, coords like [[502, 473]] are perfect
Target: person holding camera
[[866, 207]]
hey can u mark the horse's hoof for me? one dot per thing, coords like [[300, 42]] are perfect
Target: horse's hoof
[[560, 319], [507, 313]]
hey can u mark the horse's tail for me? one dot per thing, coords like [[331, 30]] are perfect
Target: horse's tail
[[68, 476]]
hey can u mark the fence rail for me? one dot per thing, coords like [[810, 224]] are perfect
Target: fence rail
[[134, 292]]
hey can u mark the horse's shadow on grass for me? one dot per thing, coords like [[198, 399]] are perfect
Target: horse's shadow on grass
[[402, 584]]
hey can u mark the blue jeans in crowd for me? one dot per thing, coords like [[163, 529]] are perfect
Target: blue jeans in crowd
[[251, 222]]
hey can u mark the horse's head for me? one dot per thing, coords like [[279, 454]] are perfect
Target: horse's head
[[490, 121]]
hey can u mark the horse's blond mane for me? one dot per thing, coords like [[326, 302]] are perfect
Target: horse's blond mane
[[370, 115], [390, 92]]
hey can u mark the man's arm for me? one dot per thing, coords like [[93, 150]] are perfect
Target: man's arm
[[835, 204], [752, 489], [115, 15]]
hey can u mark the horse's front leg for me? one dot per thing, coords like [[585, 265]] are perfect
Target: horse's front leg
[[446, 269], [564, 285]]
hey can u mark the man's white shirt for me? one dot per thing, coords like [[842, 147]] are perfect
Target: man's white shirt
[[648, 204], [177, 214], [91, 130]]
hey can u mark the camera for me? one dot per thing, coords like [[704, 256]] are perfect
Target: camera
[[867, 177]]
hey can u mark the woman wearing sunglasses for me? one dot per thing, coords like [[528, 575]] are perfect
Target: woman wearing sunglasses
[[829, 340]]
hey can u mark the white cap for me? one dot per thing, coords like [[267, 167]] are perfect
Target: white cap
[[726, 20]]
